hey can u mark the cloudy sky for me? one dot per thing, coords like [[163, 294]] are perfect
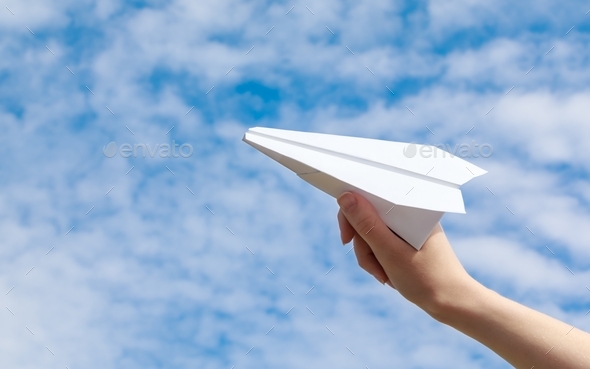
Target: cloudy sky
[[226, 259]]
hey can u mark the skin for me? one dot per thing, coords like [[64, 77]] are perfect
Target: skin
[[434, 279]]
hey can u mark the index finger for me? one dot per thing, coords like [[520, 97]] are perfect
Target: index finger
[[347, 232]]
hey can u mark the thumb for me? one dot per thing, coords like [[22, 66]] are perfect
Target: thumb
[[364, 219]]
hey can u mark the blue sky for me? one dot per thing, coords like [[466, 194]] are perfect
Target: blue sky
[[195, 262]]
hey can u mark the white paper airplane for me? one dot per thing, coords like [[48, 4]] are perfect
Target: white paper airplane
[[411, 186]]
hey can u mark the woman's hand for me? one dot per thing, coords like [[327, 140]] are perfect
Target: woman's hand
[[434, 279], [431, 278]]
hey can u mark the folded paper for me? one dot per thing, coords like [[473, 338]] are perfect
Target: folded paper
[[411, 186]]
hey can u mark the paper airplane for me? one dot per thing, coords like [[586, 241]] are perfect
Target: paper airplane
[[411, 186]]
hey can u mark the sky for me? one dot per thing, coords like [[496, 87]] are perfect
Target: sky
[[225, 259]]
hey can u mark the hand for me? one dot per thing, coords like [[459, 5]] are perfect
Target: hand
[[432, 278]]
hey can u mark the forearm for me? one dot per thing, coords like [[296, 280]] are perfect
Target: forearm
[[522, 336], [434, 279]]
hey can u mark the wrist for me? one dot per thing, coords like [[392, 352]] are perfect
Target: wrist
[[463, 299]]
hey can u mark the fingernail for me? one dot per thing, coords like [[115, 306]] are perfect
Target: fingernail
[[390, 285], [347, 201]]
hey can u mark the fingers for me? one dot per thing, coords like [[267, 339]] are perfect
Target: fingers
[[366, 260], [364, 219], [364, 255], [358, 220], [346, 230]]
